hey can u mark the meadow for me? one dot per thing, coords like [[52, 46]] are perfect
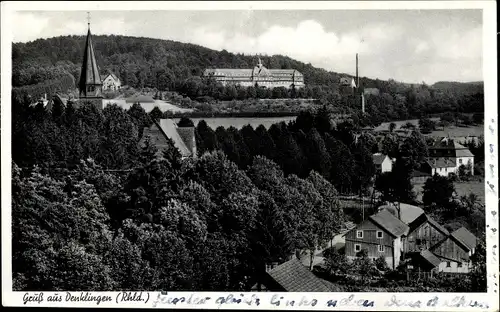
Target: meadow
[[461, 188], [162, 105]]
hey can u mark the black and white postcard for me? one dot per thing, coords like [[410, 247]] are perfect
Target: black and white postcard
[[250, 155]]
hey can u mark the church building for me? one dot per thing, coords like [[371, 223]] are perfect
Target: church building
[[90, 84]]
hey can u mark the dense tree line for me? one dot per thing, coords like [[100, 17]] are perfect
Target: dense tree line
[[308, 143], [61, 84], [169, 65], [150, 224]]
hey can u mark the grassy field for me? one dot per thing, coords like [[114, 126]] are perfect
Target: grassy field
[[460, 131], [451, 131], [162, 105], [461, 188]]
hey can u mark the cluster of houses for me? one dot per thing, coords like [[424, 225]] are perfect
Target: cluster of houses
[[446, 156], [406, 235], [403, 236]]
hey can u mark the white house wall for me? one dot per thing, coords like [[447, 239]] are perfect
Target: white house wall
[[453, 267], [387, 165]]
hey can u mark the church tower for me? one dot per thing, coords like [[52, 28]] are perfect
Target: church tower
[[90, 84]]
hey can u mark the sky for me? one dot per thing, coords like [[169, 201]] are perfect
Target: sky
[[405, 45]]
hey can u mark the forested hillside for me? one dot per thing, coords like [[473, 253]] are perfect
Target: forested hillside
[[175, 66]]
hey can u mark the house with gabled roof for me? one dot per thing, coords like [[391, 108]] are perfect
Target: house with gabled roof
[[380, 235], [183, 137], [455, 251], [424, 234], [291, 276], [447, 155], [383, 163], [111, 82]]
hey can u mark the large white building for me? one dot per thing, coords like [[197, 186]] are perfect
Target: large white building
[[259, 75], [446, 156]]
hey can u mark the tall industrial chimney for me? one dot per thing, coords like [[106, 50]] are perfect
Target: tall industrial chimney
[[357, 76]]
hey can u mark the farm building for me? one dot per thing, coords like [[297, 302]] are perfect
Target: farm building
[[414, 239], [455, 251], [424, 233], [380, 234]]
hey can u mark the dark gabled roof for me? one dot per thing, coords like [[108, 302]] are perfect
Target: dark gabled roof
[[441, 163], [430, 257], [447, 143], [378, 158], [390, 223], [293, 276], [466, 238], [422, 219], [463, 153], [90, 73], [103, 77]]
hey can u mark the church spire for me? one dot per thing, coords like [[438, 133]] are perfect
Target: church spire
[[90, 81]]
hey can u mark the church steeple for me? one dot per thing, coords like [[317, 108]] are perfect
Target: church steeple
[[90, 83]]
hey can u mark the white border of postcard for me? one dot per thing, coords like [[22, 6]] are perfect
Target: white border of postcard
[[301, 301]]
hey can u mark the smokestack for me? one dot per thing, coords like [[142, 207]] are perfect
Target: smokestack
[[362, 103], [357, 77]]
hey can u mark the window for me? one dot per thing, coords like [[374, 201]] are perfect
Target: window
[[448, 264], [359, 234], [460, 161], [380, 234], [380, 248], [357, 247], [460, 264]]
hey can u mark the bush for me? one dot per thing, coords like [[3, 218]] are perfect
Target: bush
[[453, 177], [479, 169], [478, 118], [381, 264]]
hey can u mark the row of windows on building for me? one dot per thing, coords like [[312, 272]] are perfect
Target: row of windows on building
[[357, 248], [359, 234]]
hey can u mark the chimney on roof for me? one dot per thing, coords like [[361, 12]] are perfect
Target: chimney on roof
[[271, 265]]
